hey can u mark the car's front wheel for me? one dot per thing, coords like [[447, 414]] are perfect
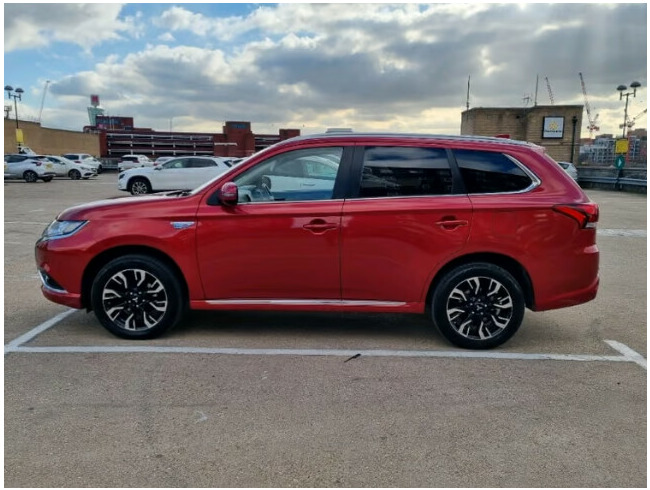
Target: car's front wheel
[[478, 305], [139, 186], [74, 174], [30, 176], [137, 297]]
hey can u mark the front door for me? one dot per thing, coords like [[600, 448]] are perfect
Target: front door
[[274, 244]]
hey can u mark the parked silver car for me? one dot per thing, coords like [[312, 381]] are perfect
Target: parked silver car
[[570, 169], [85, 159], [67, 168], [28, 167]]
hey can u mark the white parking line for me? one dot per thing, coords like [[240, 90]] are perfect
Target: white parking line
[[622, 232], [16, 346]]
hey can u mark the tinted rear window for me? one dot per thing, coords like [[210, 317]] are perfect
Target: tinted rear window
[[487, 172], [405, 171]]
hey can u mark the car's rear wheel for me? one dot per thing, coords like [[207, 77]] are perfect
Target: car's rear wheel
[[74, 174], [30, 176], [478, 305], [100, 169], [137, 297], [139, 186]]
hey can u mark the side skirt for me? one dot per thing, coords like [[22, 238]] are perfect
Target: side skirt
[[308, 305]]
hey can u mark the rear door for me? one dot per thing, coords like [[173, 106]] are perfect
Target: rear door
[[406, 218]]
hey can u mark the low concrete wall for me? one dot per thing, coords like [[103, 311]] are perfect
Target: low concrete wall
[[50, 141]]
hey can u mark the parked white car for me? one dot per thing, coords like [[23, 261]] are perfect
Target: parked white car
[[28, 167], [67, 168], [183, 173], [570, 169], [85, 159], [161, 160], [133, 161]]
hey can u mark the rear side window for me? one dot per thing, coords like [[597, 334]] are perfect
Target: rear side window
[[405, 171], [487, 172]]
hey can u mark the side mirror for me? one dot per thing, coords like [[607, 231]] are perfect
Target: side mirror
[[229, 194]]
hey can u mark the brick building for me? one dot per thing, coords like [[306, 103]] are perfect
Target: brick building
[[556, 127], [118, 137]]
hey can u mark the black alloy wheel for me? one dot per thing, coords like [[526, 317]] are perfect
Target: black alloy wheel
[[478, 306], [139, 186], [137, 297], [30, 176], [74, 174]]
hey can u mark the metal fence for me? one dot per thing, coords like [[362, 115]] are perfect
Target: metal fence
[[634, 179]]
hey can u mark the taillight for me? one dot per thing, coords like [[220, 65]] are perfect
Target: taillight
[[585, 214]]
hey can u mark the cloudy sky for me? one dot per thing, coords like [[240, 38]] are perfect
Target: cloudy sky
[[385, 67]]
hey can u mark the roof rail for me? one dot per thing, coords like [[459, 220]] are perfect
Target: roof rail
[[338, 130]]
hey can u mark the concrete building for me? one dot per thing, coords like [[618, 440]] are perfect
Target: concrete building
[[602, 150], [555, 127]]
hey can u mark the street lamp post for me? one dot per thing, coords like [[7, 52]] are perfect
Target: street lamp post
[[621, 89], [16, 95]]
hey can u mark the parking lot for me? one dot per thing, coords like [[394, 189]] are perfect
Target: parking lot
[[259, 399]]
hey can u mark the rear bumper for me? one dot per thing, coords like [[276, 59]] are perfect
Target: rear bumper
[[570, 299]]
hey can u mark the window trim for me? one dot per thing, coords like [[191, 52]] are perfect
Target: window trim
[[356, 173], [339, 192], [535, 180]]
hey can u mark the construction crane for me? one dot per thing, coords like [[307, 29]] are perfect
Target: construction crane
[[40, 112], [550, 92], [592, 120], [630, 122]]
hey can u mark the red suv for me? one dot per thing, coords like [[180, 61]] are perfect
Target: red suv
[[469, 230]]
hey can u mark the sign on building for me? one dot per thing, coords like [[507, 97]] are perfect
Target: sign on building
[[622, 145], [553, 127]]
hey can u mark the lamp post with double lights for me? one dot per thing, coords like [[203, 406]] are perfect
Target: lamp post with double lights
[[621, 89], [16, 95]]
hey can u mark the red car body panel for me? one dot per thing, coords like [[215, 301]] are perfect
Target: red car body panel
[[376, 254]]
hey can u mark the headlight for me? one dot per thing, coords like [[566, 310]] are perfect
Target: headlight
[[62, 229], [121, 176]]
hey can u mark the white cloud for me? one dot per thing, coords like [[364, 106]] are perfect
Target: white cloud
[[382, 67], [36, 25]]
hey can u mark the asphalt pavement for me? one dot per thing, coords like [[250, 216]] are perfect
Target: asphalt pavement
[[255, 399]]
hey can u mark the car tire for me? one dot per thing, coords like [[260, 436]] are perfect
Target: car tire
[[478, 305], [30, 176], [138, 186], [47, 179], [100, 169], [74, 174], [137, 297]]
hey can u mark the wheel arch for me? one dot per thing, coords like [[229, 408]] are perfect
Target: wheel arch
[[517, 270], [95, 265], [138, 177]]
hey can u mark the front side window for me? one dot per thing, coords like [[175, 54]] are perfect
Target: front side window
[[405, 171], [486, 172], [202, 162], [299, 175], [177, 163]]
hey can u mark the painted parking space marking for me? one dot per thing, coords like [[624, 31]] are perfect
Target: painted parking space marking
[[622, 232], [17, 346]]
